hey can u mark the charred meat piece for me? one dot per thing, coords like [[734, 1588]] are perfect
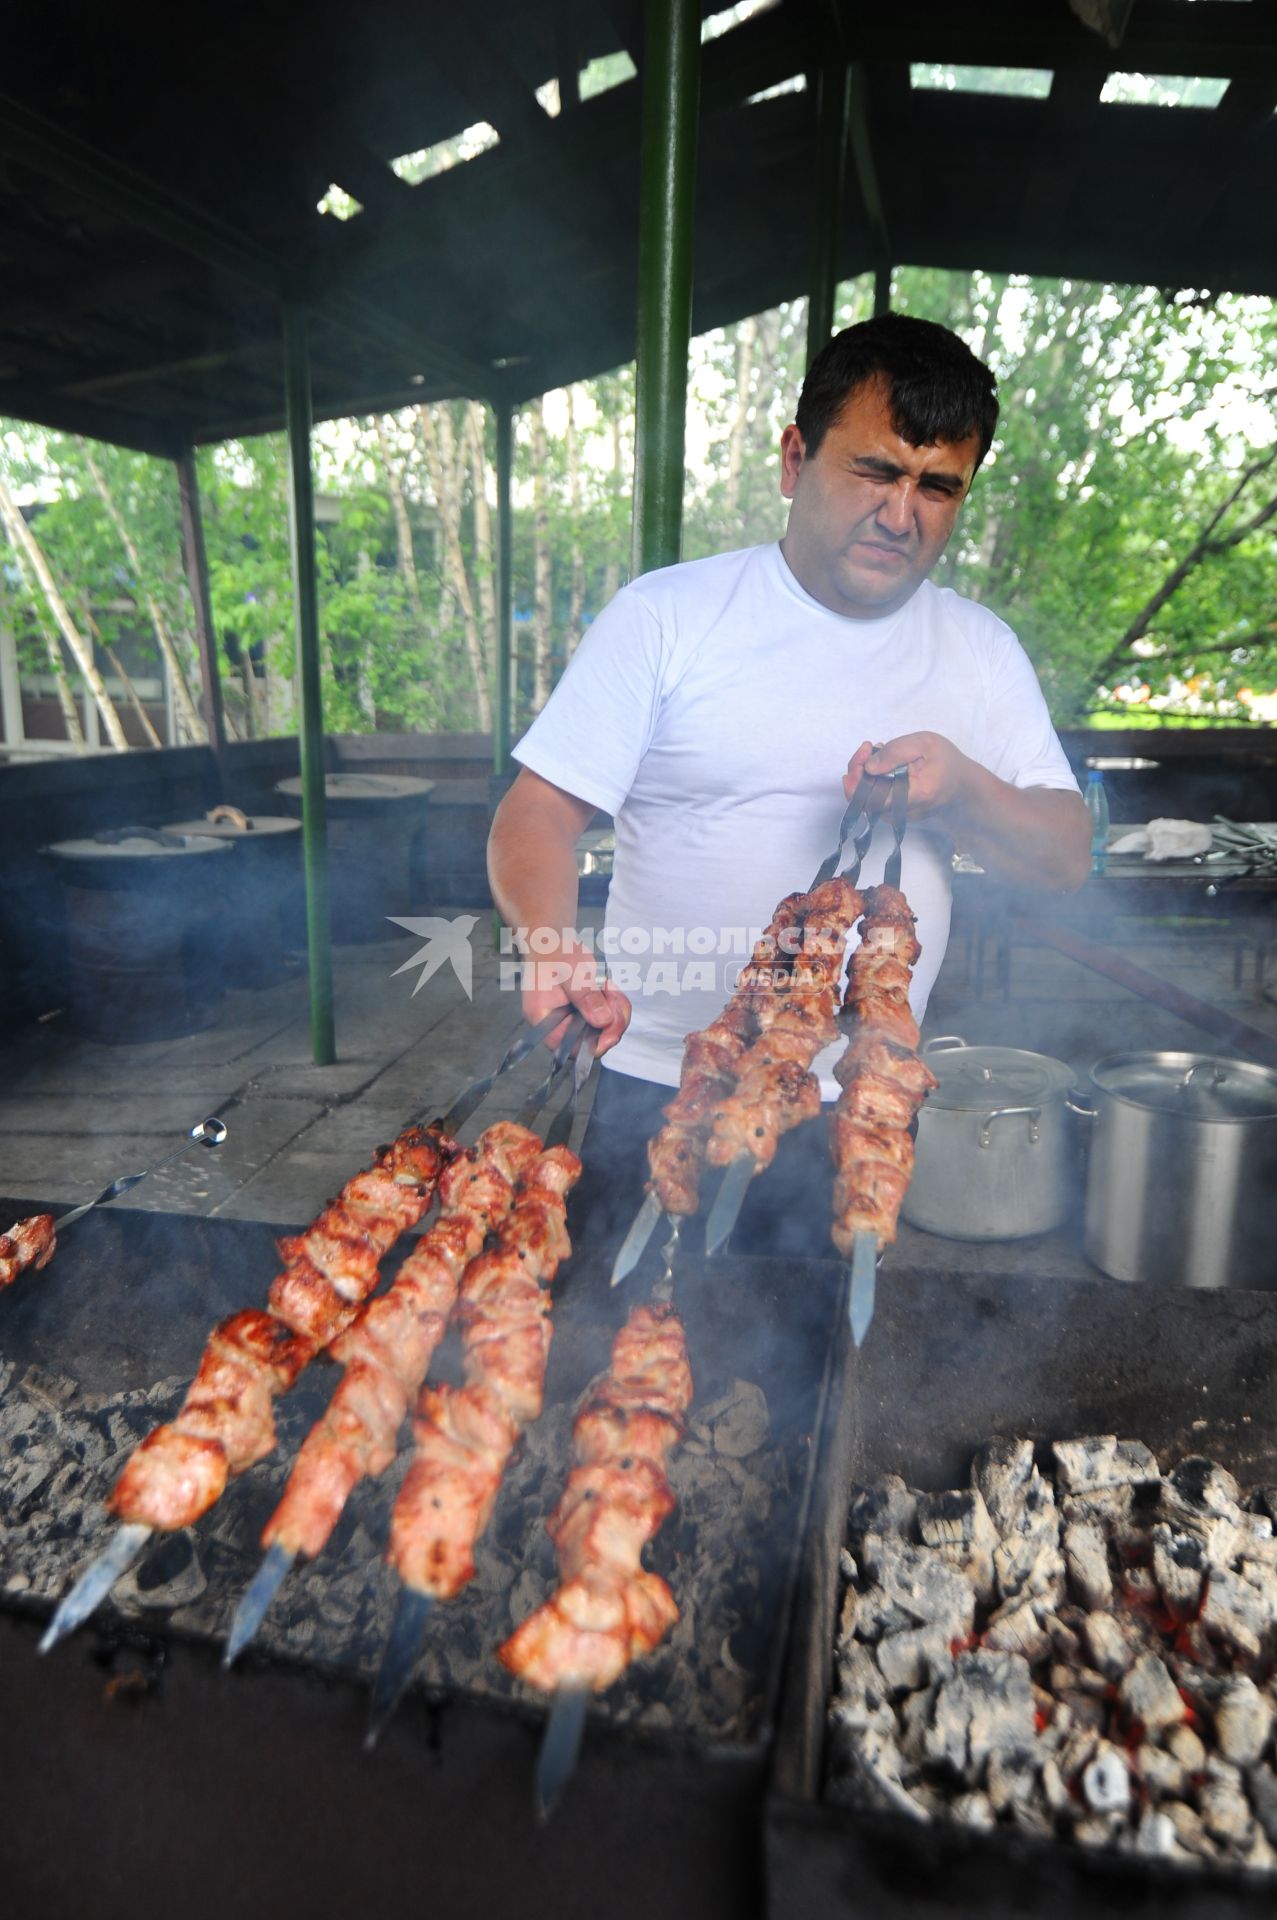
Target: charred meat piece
[[28, 1244]]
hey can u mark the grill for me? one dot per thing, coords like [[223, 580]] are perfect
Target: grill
[[952, 1362], [178, 1781]]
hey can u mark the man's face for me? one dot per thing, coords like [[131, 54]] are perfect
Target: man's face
[[870, 514]]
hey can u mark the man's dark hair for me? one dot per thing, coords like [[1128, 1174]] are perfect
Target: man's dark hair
[[937, 388]]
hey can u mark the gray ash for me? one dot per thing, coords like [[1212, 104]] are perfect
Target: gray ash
[[737, 1485], [1087, 1654]]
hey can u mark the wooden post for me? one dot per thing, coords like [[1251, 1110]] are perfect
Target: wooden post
[[195, 562], [301, 534]]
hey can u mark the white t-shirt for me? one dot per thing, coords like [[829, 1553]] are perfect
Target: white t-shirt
[[712, 709]]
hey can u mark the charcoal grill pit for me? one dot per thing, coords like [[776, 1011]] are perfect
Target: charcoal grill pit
[[954, 1361], [252, 1788]]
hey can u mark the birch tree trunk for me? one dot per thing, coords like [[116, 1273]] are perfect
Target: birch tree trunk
[[403, 525], [21, 537], [485, 551], [57, 665], [576, 592], [134, 698], [440, 454], [746, 336], [187, 712], [541, 564]]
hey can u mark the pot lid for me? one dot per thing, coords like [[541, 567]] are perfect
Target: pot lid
[[978, 1079], [1199, 1086], [362, 786]]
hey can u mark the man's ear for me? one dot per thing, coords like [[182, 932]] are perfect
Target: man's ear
[[793, 452]]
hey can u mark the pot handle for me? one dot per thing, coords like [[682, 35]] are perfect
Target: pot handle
[[1006, 1113], [1073, 1101], [945, 1043]]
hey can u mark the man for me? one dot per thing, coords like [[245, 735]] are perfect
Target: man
[[711, 707]]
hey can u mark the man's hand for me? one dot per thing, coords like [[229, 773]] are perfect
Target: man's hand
[[1038, 836], [569, 978], [940, 775]]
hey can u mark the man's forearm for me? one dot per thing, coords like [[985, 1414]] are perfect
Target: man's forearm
[[1039, 836], [532, 871]]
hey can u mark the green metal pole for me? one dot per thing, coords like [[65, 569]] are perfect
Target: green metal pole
[[301, 534], [504, 703], [831, 167], [882, 291], [671, 89]]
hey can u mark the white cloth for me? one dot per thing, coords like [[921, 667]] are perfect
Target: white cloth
[[1165, 840], [712, 708]]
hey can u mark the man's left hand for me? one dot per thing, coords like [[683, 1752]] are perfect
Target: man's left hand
[[939, 773]]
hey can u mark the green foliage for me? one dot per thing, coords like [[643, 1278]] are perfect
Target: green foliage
[[1128, 418]]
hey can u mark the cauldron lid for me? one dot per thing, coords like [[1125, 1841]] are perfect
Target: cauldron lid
[[978, 1079], [1198, 1086]]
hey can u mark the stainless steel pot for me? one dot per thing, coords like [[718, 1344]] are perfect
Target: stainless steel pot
[[996, 1147], [1182, 1185]]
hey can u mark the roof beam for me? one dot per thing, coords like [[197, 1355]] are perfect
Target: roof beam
[[1245, 109], [1065, 126]]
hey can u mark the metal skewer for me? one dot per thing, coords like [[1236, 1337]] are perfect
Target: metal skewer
[[205, 1133], [560, 1748], [414, 1608], [864, 1279], [95, 1583]]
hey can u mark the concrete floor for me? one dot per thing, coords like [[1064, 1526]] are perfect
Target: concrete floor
[[74, 1114]]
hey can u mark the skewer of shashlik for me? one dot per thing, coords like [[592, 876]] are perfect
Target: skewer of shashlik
[[226, 1422], [29, 1243], [465, 1435], [884, 1083], [386, 1353], [608, 1609], [775, 1088]]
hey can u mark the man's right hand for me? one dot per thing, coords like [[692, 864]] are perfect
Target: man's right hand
[[569, 978]]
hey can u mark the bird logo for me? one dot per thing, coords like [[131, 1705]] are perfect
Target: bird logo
[[446, 941]]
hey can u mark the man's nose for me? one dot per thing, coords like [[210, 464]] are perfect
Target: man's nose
[[895, 513]]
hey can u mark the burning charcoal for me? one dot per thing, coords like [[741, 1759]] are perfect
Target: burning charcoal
[[985, 1706], [1086, 1560], [1190, 1830], [1179, 1562], [915, 1657], [915, 1718], [912, 1587], [973, 1810], [1078, 1752], [1016, 1628], [1187, 1748], [1260, 1857], [52, 1390], [1028, 1561], [1160, 1772], [958, 1527], [1112, 1644], [1155, 1837], [870, 1777], [1140, 1590], [888, 1507], [1088, 1710], [1012, 1779], [1237, 1612], [1001, 1473], [861, 1705], [846, 1617], [1262, 1785], [1206, 1487], [1065, 1643], [1106, 1782], [1259, 1500], [1102, 1460], [1099, 1829], [1150, 1696], [1054, 1791], [1243, 1721], [1225, 1812]]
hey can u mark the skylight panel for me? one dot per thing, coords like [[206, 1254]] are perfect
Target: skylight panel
[[427, 162], [1021, 83], [797, 84], [608, 71], [717, 24], [340, 204], [1162, 90], [548, 99]]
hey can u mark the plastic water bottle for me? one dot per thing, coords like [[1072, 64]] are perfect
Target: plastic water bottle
[[1097, 805]]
